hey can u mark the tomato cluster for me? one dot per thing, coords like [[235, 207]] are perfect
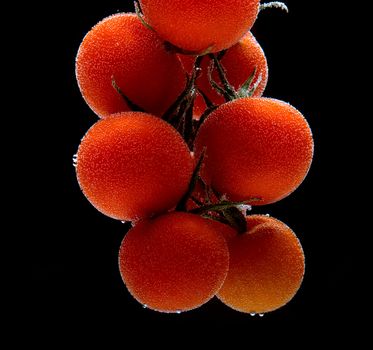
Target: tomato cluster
[[186, 144]]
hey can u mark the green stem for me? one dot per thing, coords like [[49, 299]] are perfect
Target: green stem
[[205, 189], [244, 90], [215, 85], [255, 86], [131, 105], [188, 128], [216, 218], [193, 182], [170, 113], [223, 78], [221, 54], [208, 102], [221, 206], [141, 16], [172, 109], [236, 219], [195, 200]]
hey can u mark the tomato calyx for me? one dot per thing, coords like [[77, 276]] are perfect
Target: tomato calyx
[[227, 90], [222, 205], [212, 205], [180, 113], [224, 211], [247, 89]]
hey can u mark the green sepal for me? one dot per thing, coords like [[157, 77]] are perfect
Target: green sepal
[[223, 205], [229, 89], [236, 219], [243, 91]]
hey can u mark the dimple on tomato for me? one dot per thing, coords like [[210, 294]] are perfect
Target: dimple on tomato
[[266, 267], [121, 47], [255, 148], [175, 262], [133, 165], [196, 25], [239, 62]]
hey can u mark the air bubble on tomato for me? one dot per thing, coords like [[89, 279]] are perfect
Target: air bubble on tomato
[[196, 26]]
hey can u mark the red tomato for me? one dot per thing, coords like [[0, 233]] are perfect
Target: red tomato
[[255, 148], [175, 262], [133, 165], [195, 25], [239, 63], [121, 47], [266, 267]]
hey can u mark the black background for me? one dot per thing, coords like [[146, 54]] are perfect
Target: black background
[[72, 278]]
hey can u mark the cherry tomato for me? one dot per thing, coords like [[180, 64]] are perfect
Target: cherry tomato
[[121, 47], [133, 165], [266, 267], [255, 148], [175, 262], [196, 25]]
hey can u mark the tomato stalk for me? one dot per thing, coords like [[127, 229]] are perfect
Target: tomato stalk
[[213, 206], [221, 206], [193, 182], [141, 16], [228, 90], [134, 107], [173, 111], [180, 115], [177, 50]]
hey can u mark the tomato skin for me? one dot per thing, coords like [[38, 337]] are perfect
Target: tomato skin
[[266, 267], [255, 148], [120, 46], [239, 63], [133, 165], [175, 262], [195, 25]]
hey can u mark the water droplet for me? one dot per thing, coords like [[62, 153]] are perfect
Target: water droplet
[[144, 306], [252, 313], [75, 160], [123, 222], [178, 312], [261, 315], [267, 215]]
